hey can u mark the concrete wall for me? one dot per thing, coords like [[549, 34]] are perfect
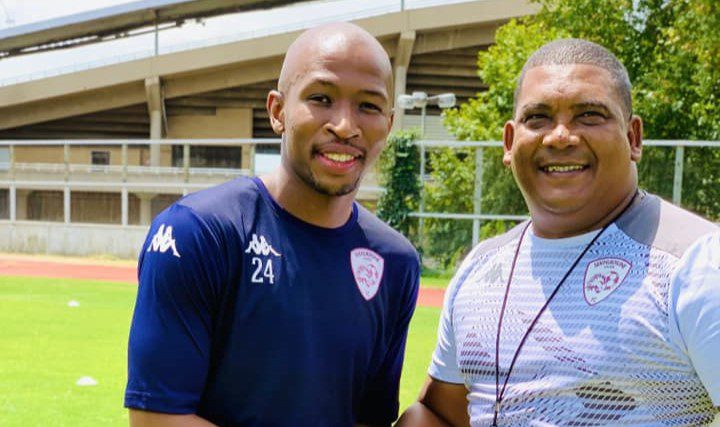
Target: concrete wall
[[226, 123], [71, 239], [137, 156]]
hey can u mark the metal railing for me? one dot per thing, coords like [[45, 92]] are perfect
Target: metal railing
[[123, 177], [477, 216], [126, 178]]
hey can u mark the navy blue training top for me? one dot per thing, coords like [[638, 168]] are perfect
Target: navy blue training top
[[248, 316]]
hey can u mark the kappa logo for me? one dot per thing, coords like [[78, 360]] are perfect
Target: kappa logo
[[163, 240], [260, 246], [368, 268], [602, 277]]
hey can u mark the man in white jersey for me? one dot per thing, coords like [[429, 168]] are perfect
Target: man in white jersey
[[604, 309]]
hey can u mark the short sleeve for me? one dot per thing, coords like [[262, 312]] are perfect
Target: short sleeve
[[695, 310], [380, 404], [444, 366], [179, 278]]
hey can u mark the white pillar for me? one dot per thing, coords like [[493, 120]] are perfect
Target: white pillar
[[12, 195], [145, 208], [66, 205], [124, 207]]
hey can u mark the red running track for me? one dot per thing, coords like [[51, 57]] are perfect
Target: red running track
[[428, 297]]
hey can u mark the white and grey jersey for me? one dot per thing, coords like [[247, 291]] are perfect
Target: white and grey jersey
[[631, 337]]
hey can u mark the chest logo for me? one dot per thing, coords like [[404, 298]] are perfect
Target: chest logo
[[367, 267], [163, 240], [261, 262], [602, 277], [260, 246]]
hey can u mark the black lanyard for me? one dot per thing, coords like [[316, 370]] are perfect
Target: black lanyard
[[500, 392]]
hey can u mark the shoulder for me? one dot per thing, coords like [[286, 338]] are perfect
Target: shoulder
[[205, 220], [705, 251], [226, 200], [497, 242], [479, 255], [664, 226]]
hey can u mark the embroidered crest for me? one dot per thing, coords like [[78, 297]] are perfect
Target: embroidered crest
[[367, 267], [602, 277]]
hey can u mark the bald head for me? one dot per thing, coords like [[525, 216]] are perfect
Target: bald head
[[332, 41]]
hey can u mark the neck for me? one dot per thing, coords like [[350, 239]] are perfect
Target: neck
[[556, 226], [306, 203]]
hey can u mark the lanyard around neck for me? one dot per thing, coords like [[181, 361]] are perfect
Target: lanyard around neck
[[500, 392]]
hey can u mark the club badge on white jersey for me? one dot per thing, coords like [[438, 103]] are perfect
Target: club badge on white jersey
[[602, 277], [368, 268], [163, 240]]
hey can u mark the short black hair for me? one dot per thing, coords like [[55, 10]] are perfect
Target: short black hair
[[579, 51]]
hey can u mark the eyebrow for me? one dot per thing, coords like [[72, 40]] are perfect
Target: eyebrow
[[591, 104], [370, 92], [538, 106], [580, 106]]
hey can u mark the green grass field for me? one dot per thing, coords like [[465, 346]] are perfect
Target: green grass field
[[46, 346]]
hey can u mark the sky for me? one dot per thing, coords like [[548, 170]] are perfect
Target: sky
[[211, 31]]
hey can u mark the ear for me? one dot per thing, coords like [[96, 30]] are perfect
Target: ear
[[508, 138], [635, 136], [275, 107]]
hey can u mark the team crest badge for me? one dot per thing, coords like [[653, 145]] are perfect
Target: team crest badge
[[602, 277], [367, 267]]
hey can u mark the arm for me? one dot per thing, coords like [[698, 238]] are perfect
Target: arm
[[695, 310], [380, 403], [440, 404], [179, 278], [156, 419], [443, 398]]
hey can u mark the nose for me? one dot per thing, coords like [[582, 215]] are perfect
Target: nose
[[343, 123], [559, 137]]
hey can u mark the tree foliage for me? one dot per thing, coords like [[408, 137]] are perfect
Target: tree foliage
[[671, 49], [399, 167]]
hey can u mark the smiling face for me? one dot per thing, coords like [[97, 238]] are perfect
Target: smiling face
[[571, 149], [333, 110]]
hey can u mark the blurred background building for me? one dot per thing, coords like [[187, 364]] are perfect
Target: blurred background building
[[108, 142]]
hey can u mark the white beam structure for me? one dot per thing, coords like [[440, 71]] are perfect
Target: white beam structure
[[437, 28], [401, 62]]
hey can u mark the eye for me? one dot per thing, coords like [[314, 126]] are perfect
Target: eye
[[535, 120], [370, 106], [591, 117], [319, 98]]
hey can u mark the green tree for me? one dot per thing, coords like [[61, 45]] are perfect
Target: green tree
[[450, 189], [399, 168]]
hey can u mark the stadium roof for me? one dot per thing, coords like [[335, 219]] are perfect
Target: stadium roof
[[117, 21]]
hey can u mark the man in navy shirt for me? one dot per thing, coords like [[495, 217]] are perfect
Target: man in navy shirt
[[279, 301]]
